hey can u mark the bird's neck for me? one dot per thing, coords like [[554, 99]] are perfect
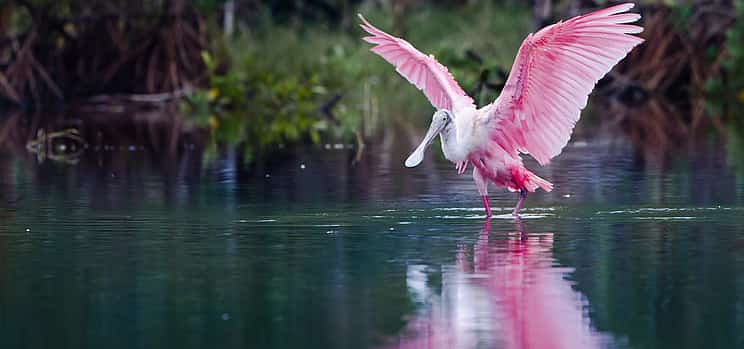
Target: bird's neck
[[451, 146]]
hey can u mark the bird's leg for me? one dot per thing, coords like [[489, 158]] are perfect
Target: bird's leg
[[486, 205], [482, 183], [522, 196]]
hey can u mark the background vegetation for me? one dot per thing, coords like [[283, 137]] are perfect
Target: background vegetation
[[264, 74]]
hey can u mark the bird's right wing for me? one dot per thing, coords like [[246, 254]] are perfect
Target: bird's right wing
[[552, 76], [421, 70]]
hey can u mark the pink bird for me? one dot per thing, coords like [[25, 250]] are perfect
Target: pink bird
[[550, 81]]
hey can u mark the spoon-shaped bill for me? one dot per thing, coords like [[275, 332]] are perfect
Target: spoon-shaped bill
[[418, 155]]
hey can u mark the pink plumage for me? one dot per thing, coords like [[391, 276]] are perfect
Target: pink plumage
[[419, 69], [552, 76], [523, 301]]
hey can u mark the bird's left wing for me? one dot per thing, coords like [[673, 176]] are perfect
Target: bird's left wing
[[421, 70], [552, 76]]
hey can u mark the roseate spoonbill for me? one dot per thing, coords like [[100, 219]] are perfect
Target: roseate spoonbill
[[550, 80]]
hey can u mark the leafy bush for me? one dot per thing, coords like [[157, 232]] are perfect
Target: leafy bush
[[734, 64], [267, 84]]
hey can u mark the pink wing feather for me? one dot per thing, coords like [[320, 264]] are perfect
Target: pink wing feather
[[552, 76], [421, 70]]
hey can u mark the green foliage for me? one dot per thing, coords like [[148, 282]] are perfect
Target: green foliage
[[257, 106], [278, 76], [734, 67], [729, 91], [734, 64], [207, 5]]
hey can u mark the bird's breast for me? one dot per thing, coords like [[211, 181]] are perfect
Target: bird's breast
[[461, 138]]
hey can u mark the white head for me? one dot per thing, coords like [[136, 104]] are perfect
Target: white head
[[441, 119]]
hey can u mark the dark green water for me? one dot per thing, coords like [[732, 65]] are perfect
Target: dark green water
[[129, 251]]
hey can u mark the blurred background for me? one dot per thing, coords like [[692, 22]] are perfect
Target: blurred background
[[262, 77], [229, 173]]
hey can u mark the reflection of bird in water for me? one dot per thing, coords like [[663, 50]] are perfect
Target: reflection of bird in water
[[537, 307], [554, 72], [508, 294]]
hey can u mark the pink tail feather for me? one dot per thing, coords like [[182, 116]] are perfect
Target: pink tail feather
[[533, 182]]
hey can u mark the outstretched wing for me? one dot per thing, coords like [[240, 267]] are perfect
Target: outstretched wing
[[552, 76], [421, 70]]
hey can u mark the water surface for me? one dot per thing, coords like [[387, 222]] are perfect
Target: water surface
[[127, 250]]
